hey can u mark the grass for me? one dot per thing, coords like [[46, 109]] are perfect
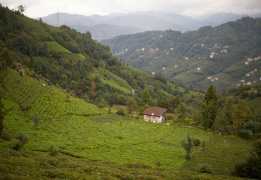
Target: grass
[[108, 144], [116, 82], [32, 165], [54, 46], [221, 153]]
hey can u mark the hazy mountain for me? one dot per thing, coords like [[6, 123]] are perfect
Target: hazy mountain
[[219, 18], [104, 27]]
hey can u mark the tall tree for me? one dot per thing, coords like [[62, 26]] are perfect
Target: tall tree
[[240, 115], [146, 98], [224, 121], [31, 62], [131, 104], [6, 56], [209, 107], [187, 146], [1, 115]]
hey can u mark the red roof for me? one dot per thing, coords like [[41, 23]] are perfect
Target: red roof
[[154, 111]]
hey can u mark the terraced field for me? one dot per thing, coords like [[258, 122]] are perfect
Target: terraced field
[[80, 129]]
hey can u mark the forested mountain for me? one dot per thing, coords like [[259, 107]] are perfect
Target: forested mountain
[[105, 27], [75, 62], [225, 56]]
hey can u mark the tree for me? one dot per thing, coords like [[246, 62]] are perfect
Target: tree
[[36, 118], [6, 56], [131, 104], [146, 98], [211, 95], [1, 115], [224, 121], [31, 62], [187, 146], [21, 9], [209, 107], [240, 115], [251, 168]]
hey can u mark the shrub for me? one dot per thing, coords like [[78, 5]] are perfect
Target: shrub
[[53, 151], [5, 135], [20, 141], [196, 142], [17, 145], [205, 168], [246, 134], [22, 137], [121, 112], [251, 168]]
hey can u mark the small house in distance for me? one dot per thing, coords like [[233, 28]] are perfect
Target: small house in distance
[[154, 114]]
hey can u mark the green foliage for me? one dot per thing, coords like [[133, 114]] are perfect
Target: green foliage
[[53, 151], [5, 135], [222, 153], [165, 51], [20, 141], [131, 104], [6, 56], [1, 115], [251, 168], [121, 111], [205, 168], [246, 134], [196, 142], [209, 107], [146, 98], [36, 118], [240, 115], [187, 146]]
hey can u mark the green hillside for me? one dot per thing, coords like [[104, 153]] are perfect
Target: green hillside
[[225, 53], [73, 61], [83, 130]]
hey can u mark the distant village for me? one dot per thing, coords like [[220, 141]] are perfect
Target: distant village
[[223, 49]]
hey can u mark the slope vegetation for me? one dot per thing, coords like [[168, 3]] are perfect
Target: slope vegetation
[[221, 56], [83, 130]]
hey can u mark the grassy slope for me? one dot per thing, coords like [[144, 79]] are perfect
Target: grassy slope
[[32, 165], [80, 129]]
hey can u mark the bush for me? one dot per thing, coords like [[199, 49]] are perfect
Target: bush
[[205, 168], [196, 142], [53, 151], [20, 141], [246, 134], [17, 145], [5, 135], [251, 168], [22, 137], [121, 112]]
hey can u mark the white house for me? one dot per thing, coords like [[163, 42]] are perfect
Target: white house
[[154, 114]]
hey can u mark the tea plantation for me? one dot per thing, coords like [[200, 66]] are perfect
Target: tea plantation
[[95, 144]]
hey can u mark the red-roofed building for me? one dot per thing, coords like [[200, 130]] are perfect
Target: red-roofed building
[[154, 114]]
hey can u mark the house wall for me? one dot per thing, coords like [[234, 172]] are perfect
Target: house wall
[[152, 118]]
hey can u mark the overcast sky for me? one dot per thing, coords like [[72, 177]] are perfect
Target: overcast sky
[[41, 8]]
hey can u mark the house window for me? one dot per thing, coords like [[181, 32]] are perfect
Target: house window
[[147, 116], [153, 117]]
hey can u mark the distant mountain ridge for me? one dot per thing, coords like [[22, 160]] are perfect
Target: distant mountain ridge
[[135, 22], [226, 56]]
